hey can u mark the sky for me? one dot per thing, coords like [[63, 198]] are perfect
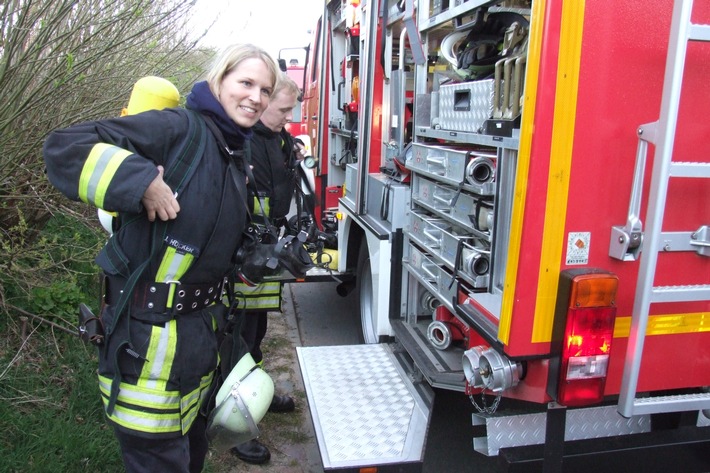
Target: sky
[[271, 24]]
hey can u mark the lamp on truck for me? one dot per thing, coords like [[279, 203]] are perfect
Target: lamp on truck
[[582, 333]]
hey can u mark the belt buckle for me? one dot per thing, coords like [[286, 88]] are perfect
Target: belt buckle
[[171, 296]]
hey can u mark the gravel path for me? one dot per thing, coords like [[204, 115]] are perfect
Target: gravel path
[[289, 436]]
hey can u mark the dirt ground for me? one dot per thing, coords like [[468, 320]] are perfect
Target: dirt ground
[[289, 436]]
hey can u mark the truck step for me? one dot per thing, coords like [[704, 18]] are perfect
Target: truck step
[[699, 292], [365, 409], [504, 431], [686, 169], [675, 403]]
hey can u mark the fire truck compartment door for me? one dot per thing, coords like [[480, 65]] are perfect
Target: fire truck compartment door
[[365, 409]]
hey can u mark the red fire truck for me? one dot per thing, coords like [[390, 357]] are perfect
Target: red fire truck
[[521, 189]]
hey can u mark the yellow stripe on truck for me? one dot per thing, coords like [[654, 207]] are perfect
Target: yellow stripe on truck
[[666, 324], [553, 238], [521, 182]]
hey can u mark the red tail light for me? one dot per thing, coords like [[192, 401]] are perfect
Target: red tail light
[[587, 338]]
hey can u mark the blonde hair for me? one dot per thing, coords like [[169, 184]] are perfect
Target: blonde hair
[[284, 82], [232, 56]]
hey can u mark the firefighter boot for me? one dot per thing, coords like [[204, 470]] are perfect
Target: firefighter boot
[[253, 452], [282, 404]]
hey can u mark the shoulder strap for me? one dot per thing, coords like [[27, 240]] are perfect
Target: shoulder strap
[[183, 168], [245, 156], [231, 154], [288, 147]]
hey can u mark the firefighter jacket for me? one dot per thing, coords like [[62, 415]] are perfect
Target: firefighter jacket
[[161, 352], [273, 163]]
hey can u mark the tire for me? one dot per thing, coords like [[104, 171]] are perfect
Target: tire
[[366, 296]]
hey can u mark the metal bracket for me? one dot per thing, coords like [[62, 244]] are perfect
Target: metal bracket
[[415, 41], [625, 243], [700, 240]]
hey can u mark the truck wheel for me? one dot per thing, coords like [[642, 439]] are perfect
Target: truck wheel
[[365, 295]]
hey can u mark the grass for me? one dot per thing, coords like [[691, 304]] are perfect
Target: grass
[[52, 418], [51, 415]]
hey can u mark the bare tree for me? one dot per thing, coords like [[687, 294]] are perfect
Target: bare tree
[[61, 62]]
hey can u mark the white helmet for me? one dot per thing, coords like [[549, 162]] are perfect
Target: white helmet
[[240, 404], [106, 219]]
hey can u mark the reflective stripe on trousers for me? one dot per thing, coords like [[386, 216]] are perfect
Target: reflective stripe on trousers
[[154, 410]]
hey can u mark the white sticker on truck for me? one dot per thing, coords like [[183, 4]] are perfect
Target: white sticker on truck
[[578, 248]]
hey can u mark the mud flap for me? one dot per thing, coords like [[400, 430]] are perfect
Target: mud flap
[[366, 411]]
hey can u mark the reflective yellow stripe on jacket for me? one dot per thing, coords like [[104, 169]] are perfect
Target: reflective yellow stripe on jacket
[[172, 268], [98, 170], [265, 296], [262, 206]]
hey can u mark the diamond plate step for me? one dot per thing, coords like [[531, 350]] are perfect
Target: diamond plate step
[[364, 407], [503, 431]]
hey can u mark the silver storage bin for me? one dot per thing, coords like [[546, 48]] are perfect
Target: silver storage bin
[[474, 212], [427, 231], [469, 256], [436, 235], [473, 166], [385, 200], [432, 195], [465, 106], [432, 276]]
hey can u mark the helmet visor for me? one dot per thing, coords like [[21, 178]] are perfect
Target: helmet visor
[[230, 423]]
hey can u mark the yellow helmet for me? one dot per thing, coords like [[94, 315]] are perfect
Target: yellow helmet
[[240, 404]]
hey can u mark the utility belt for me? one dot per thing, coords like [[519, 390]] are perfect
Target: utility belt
[[174, 297]]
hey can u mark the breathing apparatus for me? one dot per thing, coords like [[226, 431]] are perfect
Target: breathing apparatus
[[262, 255], [263, 252], [494, 36], [149, 93]]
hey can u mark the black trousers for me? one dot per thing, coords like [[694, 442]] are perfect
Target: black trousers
[[184, 454], [253, 332]]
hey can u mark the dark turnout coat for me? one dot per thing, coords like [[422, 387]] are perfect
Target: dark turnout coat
[[161, 351]]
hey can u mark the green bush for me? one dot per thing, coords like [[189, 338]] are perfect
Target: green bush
[[60, 298], [62, 62], [58, 272]]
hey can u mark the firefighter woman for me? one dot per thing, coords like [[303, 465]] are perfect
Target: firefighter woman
[[273, 160], [180, 192]]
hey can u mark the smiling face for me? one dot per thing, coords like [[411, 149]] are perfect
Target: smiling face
[[244, 91], [280, 110]]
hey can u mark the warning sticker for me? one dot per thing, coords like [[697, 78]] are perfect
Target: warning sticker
[[578, 248]]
